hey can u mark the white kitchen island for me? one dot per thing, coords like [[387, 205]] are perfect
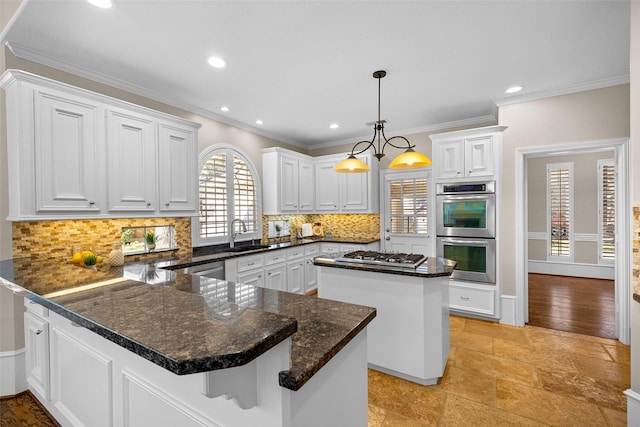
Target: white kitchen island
[[409, 338]]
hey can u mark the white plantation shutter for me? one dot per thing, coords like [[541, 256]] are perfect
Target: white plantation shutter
[[560, 209], [227, 191], [408, 206], [607, 209]]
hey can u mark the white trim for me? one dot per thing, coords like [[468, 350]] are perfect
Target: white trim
[[508, 310], [623, 219], [585, 237], [596, 84], [537, 235], [592, 271], [633, 407], [13, 376]]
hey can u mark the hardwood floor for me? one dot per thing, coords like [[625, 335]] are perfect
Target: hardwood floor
[[24, 410], [572, 304]]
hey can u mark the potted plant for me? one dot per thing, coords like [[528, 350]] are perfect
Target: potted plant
[[150, 238], [277, 228], [90, 261]]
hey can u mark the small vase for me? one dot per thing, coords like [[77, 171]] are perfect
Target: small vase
[[151, 246], [91, 267], [116, 257]]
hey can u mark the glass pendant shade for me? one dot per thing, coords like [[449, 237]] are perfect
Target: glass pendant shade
[[351, 165], [409, 160]]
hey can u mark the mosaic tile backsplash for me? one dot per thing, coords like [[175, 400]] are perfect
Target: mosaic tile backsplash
[[360, 226], [55, 239]]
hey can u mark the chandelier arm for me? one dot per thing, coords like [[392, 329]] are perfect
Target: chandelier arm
[[369, 143], [388, 141]]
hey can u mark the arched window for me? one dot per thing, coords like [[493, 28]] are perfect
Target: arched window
[[229, 189]]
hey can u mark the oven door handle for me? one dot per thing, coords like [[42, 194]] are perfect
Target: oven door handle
[[482, 242]]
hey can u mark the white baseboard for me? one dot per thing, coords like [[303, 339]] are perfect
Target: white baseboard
[[592, 271], [508, 310], [13, 378], [633, 407]]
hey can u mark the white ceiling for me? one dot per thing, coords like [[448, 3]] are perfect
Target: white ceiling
[[301, 65]]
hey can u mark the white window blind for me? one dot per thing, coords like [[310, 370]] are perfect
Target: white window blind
[[227, 191], [559, 209], [607, 209], [408, 206]]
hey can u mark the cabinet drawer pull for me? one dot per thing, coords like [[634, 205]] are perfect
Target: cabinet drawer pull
[[464, 298], [250, 263]]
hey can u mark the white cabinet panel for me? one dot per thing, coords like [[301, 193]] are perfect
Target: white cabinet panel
[[287, 182], [450, 159], [310, 274], [327, 187], [354, 190], [131, 167], [276, 277], [472, 298], [251, 277], [346, 192], [306, 186], [177, 172], [68, 149], [82, 379], [295, 276], [37, 354], [479, 156]]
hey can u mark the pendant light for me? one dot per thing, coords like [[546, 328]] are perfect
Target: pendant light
[[410, 159]]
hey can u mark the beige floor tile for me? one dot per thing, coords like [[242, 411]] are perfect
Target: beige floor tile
[[530, 354], [460, 412], [456, 323], [375, 416], [539, 330], [619, 352], [544, 342], [614, 418], [619, 373], [582, 387], [497, 366], [546, 407], [396, 420], [470, 384], [475, 342], [423, 403], [496, 330]]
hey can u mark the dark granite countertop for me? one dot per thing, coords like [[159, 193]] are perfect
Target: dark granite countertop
[[189, 324], [432, 267]]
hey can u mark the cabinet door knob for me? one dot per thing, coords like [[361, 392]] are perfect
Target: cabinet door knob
[[148, 204], [166, 204], [92, 203], [39, 331], [387, 238], [470, 172]]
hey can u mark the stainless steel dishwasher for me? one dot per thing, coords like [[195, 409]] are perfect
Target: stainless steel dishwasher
[[214, 269]]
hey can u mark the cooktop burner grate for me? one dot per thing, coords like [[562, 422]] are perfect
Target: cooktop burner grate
[[384, 258]]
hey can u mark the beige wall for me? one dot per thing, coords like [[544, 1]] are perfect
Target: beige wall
[[584, 116], [585, 195]]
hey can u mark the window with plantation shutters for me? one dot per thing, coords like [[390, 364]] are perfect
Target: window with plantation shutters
[[228, 191], [607, 210], [560, 210], [408, 206]]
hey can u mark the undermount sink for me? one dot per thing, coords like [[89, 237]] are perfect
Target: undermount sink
[[246, 248]]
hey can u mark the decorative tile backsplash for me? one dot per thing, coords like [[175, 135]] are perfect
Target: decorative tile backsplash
[[56, 239], [361, 226]]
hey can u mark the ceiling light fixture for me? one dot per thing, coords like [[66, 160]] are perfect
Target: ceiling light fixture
[[410, 159], [259, 122], [224, 108], [334, 126], [104, 4], [514, 89], [216, 62]]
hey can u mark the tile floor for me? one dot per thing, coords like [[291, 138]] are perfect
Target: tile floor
[[506, 376]]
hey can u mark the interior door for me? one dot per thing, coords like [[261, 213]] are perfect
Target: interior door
[[407, 223]]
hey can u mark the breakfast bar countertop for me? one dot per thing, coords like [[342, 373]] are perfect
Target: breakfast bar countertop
[[190, 324]]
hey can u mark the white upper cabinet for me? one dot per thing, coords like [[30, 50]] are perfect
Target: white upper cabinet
[[78, 154], [288, 182], [467, 154], [131, 162], [177, 173], [346, 192], [67, 146]]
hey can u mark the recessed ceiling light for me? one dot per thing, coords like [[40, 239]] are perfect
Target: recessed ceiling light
[[104, 4], [334, 126], [259, 122], [216, 62], [514, 89], [224, 108]]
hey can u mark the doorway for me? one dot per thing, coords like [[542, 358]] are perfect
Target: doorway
[[622, 261]]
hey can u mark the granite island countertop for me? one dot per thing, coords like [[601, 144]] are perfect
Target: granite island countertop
[[189, 324], [431, 267]]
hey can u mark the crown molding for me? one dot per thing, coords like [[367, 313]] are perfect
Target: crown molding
[[49, 61], [566, 90]]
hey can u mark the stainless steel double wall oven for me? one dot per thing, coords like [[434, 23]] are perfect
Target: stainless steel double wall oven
[[466, 229]]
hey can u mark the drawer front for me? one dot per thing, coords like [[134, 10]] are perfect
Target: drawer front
[[472, 299], [330, 248], [275, 257], [295, 253], [250, 262], [312, 249]]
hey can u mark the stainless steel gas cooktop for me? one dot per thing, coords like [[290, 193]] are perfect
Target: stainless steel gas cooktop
[[383, 258]]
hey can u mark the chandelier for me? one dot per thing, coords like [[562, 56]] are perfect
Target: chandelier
[[409, 159]]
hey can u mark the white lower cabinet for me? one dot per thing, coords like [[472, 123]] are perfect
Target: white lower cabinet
[[473, 298], [37, 354], [276, 277], [251, 277], [295, 276]]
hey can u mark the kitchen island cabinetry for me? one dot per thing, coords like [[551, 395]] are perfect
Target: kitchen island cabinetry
[[92, 156], [36, 334]]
